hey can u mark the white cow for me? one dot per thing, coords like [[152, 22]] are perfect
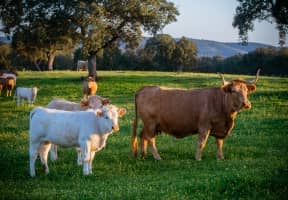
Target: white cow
[[82, 65], [92, 102], [29, 94], [88, 130]]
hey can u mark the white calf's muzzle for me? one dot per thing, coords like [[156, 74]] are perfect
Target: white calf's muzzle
[[115, 128]]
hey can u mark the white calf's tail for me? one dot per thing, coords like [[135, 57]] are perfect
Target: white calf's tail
[[33, 112]]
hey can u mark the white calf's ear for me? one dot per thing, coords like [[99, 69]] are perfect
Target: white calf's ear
[[121, 111], [105, 101], [99, 112]]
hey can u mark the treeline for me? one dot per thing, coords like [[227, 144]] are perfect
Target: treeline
[[162, 53], [272, 61]]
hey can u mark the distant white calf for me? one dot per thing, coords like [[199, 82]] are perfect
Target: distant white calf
[[92, 102], [82, 65], [88, 130], [29, 94]]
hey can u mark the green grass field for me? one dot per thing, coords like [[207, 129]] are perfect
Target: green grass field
[[256, 165]]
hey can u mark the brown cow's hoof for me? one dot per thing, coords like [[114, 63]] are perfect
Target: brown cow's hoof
[[158, 158], [198, 159]]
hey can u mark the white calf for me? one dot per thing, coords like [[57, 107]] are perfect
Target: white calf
[[92, 102], [29, 94], [88, 130]]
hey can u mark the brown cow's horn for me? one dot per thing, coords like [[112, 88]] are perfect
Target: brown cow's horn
[[256, 79], [223, 79]]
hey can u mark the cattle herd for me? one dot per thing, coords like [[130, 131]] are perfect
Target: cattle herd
[[87, 125]]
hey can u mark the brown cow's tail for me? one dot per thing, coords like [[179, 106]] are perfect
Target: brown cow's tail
[[134, 142]]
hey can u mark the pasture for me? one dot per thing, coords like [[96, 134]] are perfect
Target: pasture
[[256, 165]]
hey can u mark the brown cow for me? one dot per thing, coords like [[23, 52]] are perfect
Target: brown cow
[[89, 87], [180, 113], [7, 84]]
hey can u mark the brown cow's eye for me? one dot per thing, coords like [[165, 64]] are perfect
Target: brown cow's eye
[[232, 90]]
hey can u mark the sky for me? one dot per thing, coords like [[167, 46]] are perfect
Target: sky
[[212, 20]]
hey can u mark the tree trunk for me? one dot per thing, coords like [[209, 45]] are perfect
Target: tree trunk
[[92, 66], [51, 58], [180, 68]]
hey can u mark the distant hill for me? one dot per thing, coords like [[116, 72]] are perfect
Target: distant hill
[[211, 48], [225, 49]]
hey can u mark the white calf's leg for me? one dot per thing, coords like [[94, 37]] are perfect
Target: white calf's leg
[[44, 150], [53, 152], [29, 101], [33, 156], [92, 155], [79, 158], [85, 149], [18, 100]]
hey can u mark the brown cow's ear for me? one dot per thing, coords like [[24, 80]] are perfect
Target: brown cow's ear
[[121, 112], [105, 101], [227, 88], [251, 88]]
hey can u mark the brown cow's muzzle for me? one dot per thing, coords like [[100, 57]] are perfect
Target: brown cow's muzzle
[[246, 105]]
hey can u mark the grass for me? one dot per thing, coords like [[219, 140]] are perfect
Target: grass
[[256, 164]]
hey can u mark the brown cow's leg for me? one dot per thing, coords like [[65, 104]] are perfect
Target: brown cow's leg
[[154, 151], [144, 147], [143, 144], [219, 148], [148, 135], [202, 139]]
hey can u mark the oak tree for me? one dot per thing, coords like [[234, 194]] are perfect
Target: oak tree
[[94, 24], [274, 11], [161, 48], [185, 54]]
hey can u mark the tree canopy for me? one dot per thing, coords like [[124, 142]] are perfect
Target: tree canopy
[[161, 48], [5, 54], [94, 24], [274, 11], [185, 54]]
